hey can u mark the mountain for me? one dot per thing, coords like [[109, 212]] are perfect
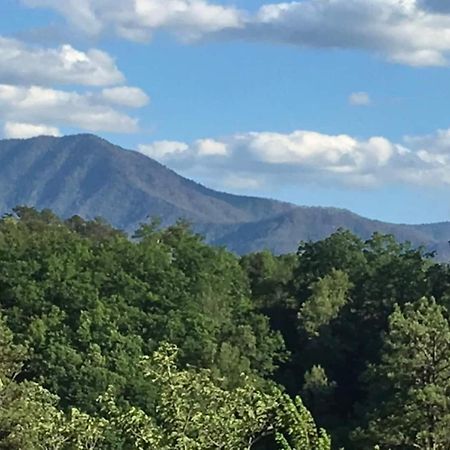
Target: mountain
[[89, 176]]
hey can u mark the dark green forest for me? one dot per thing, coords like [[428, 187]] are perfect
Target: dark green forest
[[164, 342]]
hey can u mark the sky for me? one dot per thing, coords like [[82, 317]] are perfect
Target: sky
[[342, 103]]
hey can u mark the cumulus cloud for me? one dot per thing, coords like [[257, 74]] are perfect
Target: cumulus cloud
[[163, 150], [50, 107], [174, 149], [24, 64], [209, 147], [139, 19], [30, 105], [412, 32], [78, 12], [13, 130], [131, 97], [256, 159], [401, 30], [359, 99]]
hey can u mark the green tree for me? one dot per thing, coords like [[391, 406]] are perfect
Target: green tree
[[318, 394], [29, 417], [297, 429], [196, 411], [328, 296], [268, 276], [91, 303], [410, 386], [336, 323]]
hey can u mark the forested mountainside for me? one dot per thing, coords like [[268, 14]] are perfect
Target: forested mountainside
[[87, 176], [90, 177], [164, 342]]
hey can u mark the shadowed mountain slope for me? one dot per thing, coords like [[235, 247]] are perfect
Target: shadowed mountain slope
[[91, 177]]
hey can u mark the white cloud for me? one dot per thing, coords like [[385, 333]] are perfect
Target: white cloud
[[208, 147], [256, 159], [24, 64], [131, 97], [359, 99], [401, 30], [52, 107], [163, 149], [412, 32], [30, 105], [15, 130], [139, 19], [78, 12]]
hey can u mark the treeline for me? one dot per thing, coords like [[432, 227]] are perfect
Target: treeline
[[163, 342]]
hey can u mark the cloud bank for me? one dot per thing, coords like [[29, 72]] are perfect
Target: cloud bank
[[412, 32], [139, 19], [44, 106], [13, 130], [21, 63], [30, 104], [257, 159]]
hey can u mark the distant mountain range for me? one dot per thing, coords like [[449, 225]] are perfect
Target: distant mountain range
[[91, 177]]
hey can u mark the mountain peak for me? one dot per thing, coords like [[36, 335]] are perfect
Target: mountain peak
[[86, 175]]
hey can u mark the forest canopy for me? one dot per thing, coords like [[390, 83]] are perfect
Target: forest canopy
[[163, 342]]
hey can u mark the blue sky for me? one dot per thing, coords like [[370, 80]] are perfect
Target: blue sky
[[341, 103]]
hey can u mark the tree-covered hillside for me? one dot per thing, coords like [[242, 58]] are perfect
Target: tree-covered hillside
[[164, 342]]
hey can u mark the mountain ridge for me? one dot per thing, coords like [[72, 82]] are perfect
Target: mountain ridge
[[86, 175]]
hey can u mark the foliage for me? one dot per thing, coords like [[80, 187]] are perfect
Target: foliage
[[91, 303], [194, 411], [245, 353], [328, 296], [197, 412], [333, 311], [318, 392], [29, 417], [411, 384], [300, 430]]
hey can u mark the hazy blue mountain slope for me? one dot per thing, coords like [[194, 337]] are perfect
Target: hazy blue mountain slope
[[87, 175], [282, 233], [91, 177]]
